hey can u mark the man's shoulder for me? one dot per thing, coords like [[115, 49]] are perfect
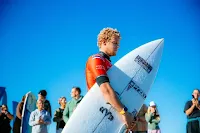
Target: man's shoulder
[[69, 102], [47, 101], [81, 97], [188, 102], [96, 56]]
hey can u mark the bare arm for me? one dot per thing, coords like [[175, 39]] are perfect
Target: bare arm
[[189, 111], [9, 116], [110, 96], [19, 110]]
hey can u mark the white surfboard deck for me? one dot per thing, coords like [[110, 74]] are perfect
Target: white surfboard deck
[[29, 106], [131, 77]]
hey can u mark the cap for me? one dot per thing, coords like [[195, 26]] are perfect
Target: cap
[[152, 103]]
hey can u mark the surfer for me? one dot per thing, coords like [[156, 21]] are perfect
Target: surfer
[[96, 71], [58, 115], [72, 104], [192, 110]]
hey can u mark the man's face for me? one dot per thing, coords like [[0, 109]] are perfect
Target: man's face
[[40, 96], [40, 105], [112, 46], [73, 92], [195, 94]]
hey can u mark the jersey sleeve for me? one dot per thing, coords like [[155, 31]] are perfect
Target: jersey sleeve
[[98, 68]]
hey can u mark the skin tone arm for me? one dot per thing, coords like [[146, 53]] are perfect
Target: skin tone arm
[[194, 103], [110, 96], [8, 115]]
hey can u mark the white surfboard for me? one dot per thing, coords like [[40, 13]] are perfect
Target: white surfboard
[[131, 77], [29, 106]]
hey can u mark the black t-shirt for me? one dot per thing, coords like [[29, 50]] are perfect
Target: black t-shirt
[[47, 106], [62, 123], [195, 113], [4, 123], [58, 115]]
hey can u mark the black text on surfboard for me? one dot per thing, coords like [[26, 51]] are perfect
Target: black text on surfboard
[[107, 113], [146, 66], [136, 88]]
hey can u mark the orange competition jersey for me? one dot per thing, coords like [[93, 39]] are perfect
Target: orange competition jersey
[[96, 69]]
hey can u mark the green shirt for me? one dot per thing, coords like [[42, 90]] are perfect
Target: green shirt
[[70, 107], [152, 121]]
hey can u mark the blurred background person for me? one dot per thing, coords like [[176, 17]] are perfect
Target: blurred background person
[[192, 110], [73, 103], [42, 95], [153, 118], [39, 118], [5, 118], [58, 115], [140, 123]]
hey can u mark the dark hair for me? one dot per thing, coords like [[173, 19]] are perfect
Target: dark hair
[[43, 93], [78, 89]]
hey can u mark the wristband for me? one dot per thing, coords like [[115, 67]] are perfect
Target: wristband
[[123, 111]]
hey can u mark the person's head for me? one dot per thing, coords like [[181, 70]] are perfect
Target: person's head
[[76, 91], [4, 107], [62, 100], [42, 94], [40, 104], [195, 93], [108, 41], [152, 105]]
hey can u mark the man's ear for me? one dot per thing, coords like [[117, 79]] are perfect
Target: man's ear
[[103, 42]]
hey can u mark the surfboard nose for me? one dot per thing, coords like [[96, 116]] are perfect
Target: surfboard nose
[[161, 43], [156, 44]]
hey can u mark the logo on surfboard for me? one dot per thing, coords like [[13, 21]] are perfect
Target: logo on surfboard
[[145, 65], [136, 88], [107, 113]]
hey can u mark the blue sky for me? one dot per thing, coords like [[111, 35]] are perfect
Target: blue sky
[[45, 44]]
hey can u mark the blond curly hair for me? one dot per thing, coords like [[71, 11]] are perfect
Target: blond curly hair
[[106, 34]]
